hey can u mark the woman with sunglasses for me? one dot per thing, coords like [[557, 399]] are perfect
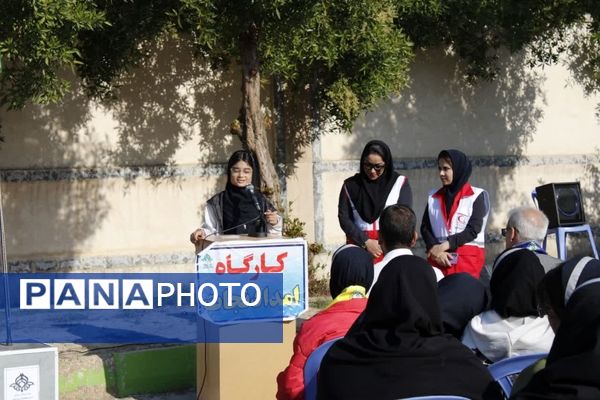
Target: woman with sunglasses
[[454, 221], [234, 210], [364, 196]]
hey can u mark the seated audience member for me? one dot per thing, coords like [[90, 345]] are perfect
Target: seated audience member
[[462, 297], [351, 274], [397, 235], [512, 327], [570, 295], [526, 229], [399, 349]]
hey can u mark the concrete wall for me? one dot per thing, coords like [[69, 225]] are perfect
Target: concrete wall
[[122, 184], [526, 128], [95, 185]]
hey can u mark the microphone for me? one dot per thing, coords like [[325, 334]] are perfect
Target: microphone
[[261, 228], [250, 188]]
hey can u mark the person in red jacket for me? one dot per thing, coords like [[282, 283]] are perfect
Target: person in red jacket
[[351, 275]]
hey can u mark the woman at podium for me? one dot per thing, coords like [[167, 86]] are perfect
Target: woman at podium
[[364, 196], [240, 208]]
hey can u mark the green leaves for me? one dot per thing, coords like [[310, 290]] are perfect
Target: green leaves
[[37, 40], [584, 57], [477, 29], [352, 53]]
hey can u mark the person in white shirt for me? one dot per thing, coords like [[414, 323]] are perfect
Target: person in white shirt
[[512, 326], [397, 235]]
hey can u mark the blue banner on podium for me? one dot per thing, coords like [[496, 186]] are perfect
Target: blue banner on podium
[[252, 261]]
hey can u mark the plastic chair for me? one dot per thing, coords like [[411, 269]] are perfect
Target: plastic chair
[[311, 369], [561, 234], [503, 369]]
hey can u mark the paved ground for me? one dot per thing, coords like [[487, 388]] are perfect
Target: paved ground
[[95, 395], [74, 358]]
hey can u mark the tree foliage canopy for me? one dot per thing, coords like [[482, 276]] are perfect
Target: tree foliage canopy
[[37, 40], [353, 53], [477, 29]]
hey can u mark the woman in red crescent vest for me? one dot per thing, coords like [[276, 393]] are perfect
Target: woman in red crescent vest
[[364, 196], [453, 226]]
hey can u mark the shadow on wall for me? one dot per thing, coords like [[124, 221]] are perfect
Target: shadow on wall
[[299, 127], [591, 197], [489, 118], [157, 110], [172, 100], [495, 119], [590, 183], [42, 215], [583, 61], [49, 136], [442, 110]]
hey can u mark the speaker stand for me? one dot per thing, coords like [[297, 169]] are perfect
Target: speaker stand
[[561, 238]]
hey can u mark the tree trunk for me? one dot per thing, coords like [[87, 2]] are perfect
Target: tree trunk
[[252, 134]]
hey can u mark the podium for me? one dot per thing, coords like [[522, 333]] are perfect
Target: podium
[[249, 370], [28, 371]]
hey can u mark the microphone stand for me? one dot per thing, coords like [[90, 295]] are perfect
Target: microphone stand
[[261, 225], [227, 230], [261, 228]]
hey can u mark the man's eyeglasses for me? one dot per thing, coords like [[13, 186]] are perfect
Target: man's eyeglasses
[[504, 230], [376, 167]]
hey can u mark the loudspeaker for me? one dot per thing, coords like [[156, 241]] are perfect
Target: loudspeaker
[[562, 203]]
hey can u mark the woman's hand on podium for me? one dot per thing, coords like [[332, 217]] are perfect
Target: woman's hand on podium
[[271, 217], [197, 236]]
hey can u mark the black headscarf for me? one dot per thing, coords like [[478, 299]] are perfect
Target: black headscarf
[[461, 172], [399, 350], [573, 366], [514, 284], [238, 206], [350, 265], [461, 298], [369, 196]]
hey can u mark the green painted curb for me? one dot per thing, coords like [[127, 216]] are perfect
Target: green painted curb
[[85, 378], [155, 370], [138, 372]]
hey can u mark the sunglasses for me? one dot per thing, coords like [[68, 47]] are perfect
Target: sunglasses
[[376, 167]]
